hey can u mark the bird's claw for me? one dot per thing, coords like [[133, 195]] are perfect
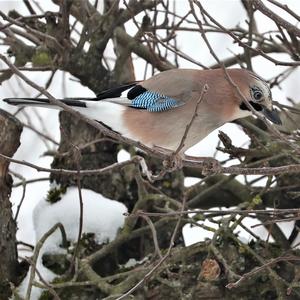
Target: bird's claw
[[211, 166], [173, 162]]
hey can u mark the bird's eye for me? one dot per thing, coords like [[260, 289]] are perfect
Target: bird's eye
[[256, 93]]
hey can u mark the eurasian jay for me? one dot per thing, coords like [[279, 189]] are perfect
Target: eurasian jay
[[157, 111]]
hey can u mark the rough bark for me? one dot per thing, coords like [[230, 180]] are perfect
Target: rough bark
[[10, 133]]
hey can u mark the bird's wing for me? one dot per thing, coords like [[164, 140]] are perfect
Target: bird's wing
[[136, 96], [162, 92]]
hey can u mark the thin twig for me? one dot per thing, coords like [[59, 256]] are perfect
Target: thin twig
[[259, 269], [195, 114], [35, 256]]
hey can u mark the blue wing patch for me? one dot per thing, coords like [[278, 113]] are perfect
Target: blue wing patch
[[154, 102]]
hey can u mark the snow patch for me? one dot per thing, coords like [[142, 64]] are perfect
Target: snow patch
[[101, 216]]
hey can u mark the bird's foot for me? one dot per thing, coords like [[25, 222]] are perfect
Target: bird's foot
[[173, 162], [209, 165]]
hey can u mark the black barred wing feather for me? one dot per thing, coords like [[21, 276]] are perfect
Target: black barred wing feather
[[154, 102]]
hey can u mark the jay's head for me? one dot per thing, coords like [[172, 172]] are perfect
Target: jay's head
[[259, 96]]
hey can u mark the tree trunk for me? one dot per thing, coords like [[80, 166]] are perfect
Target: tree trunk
[[10, 133]]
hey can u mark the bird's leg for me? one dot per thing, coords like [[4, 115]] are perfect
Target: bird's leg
[[210, 165]]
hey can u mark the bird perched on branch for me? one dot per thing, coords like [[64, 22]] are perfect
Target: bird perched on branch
[[176, 108]]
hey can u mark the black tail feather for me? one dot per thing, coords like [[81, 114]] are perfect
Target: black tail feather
[[79, 102]]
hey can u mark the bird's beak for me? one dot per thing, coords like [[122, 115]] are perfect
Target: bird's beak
[[272, 115]]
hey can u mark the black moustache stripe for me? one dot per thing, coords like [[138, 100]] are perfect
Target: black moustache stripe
[[256, 106]]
